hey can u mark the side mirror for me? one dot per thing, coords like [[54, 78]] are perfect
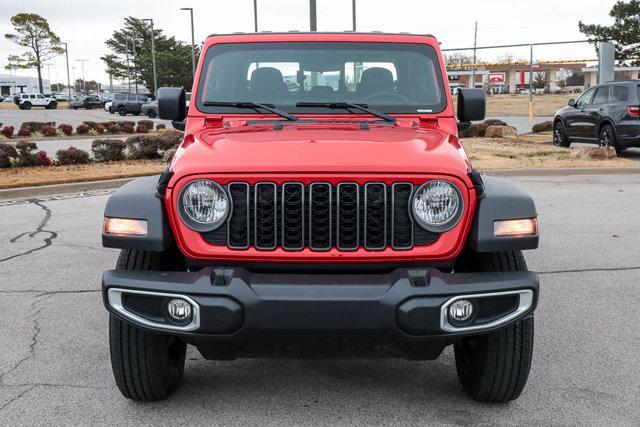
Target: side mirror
[[172, 105], [572, 102], [472, 105]]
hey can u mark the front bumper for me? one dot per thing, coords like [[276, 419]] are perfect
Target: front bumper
[[406, 306]]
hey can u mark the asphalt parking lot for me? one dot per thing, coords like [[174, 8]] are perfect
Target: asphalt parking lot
[[55, 369], [71, 117]]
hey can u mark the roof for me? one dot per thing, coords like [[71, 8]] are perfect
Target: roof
[[240, 33]]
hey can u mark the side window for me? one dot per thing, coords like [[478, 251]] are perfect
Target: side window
[[131, 97], [40, 97], [620, 93], [142, 98], [32, 96], [586, 97], [601, 96]]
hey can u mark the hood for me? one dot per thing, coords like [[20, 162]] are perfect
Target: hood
[[319, 148]]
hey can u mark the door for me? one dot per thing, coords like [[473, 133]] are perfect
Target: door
[[574, 117], [131, 103], [595, 112], [40, 100]]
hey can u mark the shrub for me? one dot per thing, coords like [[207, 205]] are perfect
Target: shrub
[[127, 128], [82, 129], [142, 147], [100, 128], [543, 127], [91, 125], [147, 123], [141, 129], [7, 152], [7, 131], [37, 126], [160, 126], [66, 129], [25, 131], [122, 123], [72, 156], [26, 157], [113, 128], [108, 150], [167, 157], [168, 139], [49, 131], [494, 122], [44, 159]]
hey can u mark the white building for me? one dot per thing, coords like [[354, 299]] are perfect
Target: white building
[[13, 85]]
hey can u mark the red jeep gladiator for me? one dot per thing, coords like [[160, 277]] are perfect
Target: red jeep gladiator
[[320, 205]]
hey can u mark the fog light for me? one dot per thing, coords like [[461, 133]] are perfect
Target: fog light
[[461, 310], [179, 309]]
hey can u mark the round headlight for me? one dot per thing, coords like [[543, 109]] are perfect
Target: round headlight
[[203, 205], [437, 206]]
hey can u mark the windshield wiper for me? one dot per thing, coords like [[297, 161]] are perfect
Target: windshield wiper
[[347, 106], [253, 106]]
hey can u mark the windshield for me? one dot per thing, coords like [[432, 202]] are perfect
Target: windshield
[[389, 77]]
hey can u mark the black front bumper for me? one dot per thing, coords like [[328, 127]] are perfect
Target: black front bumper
[[404, 307]]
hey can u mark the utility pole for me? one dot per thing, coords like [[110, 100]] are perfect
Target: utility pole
[[531, 85], [84, 82], [135, 72], [353, 14], [255, 16], [126, 48], [193, 44], [313, 17], [153, 58], [473, 68]]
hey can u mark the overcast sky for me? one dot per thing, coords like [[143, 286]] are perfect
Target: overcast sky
[[86, 24]]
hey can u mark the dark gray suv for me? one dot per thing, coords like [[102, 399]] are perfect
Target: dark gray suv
[[607, 114], [129, 103]]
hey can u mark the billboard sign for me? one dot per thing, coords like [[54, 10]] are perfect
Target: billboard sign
[[497, 77]]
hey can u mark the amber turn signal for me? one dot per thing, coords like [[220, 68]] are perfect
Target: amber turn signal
[[125, 227], [515, 227]]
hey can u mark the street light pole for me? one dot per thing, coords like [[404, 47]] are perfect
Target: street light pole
[[353, 13], [313, 17], [153, 58], [473, 69], [193, 44], [255, 15], [84, 82]]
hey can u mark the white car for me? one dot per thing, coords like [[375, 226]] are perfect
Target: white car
[[107, 106], [28, 100]]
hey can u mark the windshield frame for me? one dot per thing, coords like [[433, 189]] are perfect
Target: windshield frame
[[399, 109]]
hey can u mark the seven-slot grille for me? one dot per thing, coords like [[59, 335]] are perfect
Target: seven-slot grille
[[320, 216]]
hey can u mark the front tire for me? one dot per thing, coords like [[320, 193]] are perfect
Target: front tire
[[560, 138], [494, 368], [151, 114], [122, 111], [147, 366]]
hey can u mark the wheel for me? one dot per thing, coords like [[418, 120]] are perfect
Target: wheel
[[494, 367], [147, 366], [54, 105], [122, 111], [26, 106], [607, 138], [151, 114], [560, 138], [110, 110], [89, 107], [75, 108]]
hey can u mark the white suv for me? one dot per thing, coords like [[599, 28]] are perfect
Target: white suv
[[28, 100]]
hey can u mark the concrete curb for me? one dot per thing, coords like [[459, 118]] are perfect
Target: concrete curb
[[562, 172], [73, 187], [79, 187]]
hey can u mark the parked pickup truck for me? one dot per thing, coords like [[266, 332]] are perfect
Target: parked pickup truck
[[335, 217]]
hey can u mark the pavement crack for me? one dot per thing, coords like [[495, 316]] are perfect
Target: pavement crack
[[588, 270], [19, 396], [40, 229], [35, 332]]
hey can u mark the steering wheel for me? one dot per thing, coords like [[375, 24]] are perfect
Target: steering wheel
[[387, 95]]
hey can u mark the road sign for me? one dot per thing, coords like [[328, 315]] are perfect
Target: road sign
[[497, 77]]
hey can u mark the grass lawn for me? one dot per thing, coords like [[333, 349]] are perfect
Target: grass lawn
[[41, 175], [518, 105]]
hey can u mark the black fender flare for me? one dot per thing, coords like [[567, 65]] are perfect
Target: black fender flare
[[501, 200], [137, 200]]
